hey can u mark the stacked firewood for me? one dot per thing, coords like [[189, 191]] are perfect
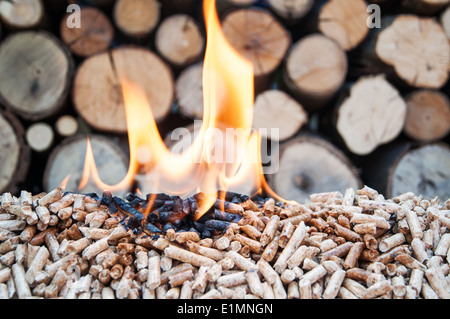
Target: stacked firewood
[[347, 246], [358, 92]]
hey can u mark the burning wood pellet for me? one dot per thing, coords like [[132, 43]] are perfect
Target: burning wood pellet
[[356, 245]]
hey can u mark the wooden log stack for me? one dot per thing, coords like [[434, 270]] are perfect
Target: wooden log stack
[[359, 93]]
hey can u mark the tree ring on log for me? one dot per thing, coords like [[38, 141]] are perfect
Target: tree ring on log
[[38, 84], [97, 93], [422, 64]]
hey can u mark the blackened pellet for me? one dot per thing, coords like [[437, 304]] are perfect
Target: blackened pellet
[[206, 233], [194, 207], [132, 196], [168, 226], [113, 209], [106, 198], [164, 216], [220, 215], [199, 226], [232, 197], [135, 203], [139, 217], [152, 228], [152, 217], [94, 196], [217, 224]]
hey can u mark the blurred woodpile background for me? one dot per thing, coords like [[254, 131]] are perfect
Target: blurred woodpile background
[[355, 104]]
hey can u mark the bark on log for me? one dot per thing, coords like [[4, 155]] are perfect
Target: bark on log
[[189, 91], [372, 115], [14, 153], [179, 40], [402, 166], [421, 64], [21, 14], [68, 158], [278, 116], [315, 70], [344, 21], [445, 21], [36, 71], [261, 38], [94, 36], [311, 165], [136, 18], [101, 3], [225, 6], [425, 171], [191, 7], [97, 94], [428, 115], [425, 7]]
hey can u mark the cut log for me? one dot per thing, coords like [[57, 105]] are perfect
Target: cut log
[[66, 126], [21, 14], [291, 11], [36, 71], [97, 94], [179, 40], [94, 36], [189, 91], [311, 165], [344, 21], [315, 70], [258, 36], [278, 116], [445, 21], [421, 64], [40, 137], [68, 159], [372, 115], [14, 153], [425, 171], [425, 7], [428, 115], [136, 18]]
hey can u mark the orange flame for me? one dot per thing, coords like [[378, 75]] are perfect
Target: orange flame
[[225, 153], [63, 184]]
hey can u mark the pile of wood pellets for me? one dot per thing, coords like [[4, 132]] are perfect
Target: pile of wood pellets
[[356, 245]]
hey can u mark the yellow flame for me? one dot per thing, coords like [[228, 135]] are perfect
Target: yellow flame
[[213, 161]]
